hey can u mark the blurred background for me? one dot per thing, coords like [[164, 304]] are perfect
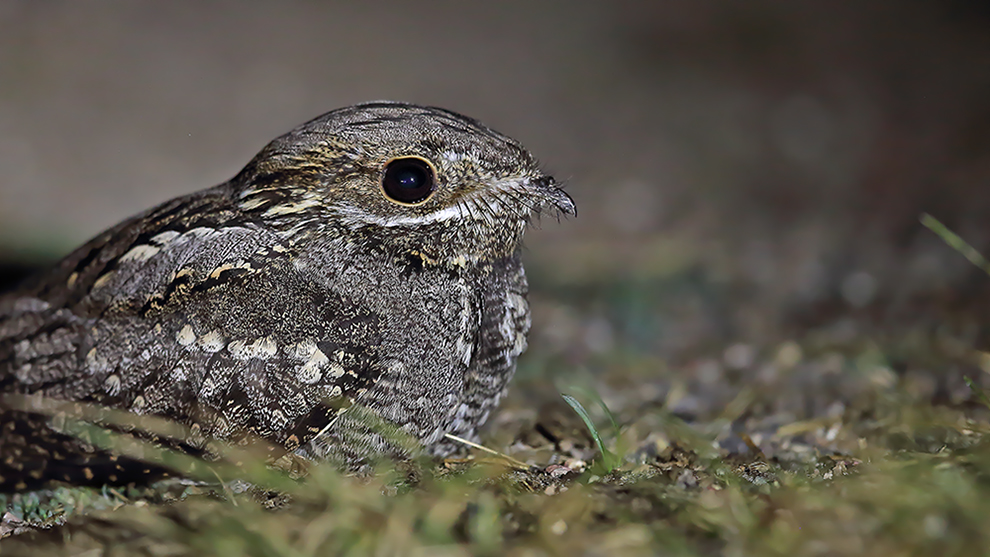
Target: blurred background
[[749, 175]]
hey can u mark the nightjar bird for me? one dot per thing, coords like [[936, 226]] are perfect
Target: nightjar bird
[[369, 258]]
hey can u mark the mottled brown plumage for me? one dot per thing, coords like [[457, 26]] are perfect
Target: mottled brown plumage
[[371, 256]]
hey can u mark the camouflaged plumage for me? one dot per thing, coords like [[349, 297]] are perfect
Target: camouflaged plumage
[[269, 304]]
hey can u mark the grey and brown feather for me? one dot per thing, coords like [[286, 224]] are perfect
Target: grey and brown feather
[[248, 306]]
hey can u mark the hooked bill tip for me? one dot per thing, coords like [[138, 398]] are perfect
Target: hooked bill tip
[[557, 196]]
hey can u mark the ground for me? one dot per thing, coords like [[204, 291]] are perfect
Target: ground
[[817, 446]]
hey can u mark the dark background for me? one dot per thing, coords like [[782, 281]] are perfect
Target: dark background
[[747, 173]]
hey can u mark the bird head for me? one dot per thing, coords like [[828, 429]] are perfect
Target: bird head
[[403, 177]]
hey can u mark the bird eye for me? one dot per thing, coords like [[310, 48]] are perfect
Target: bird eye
[[408, 180]]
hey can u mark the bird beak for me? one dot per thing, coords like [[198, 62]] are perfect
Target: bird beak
[[554, 195]]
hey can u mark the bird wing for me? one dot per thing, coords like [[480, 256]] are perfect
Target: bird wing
[[197, 316]]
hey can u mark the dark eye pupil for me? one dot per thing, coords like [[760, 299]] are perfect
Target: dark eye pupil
[[408, 180]]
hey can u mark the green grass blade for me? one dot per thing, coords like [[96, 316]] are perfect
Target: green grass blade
[[592, 395], [609, 459], [978, 392], [955, 242]]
